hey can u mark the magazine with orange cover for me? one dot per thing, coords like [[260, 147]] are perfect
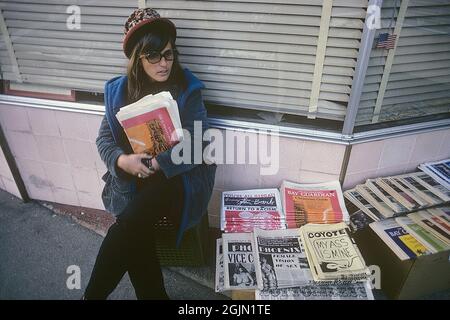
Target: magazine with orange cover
[[151, 124], [313, 203]]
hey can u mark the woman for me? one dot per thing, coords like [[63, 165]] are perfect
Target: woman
[[140, 192], [242, 277]]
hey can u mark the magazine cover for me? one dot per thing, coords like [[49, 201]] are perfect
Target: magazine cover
[[421, 218], [281, 259], [422, 235], [404, 245], [313, 203], [332, 253], [244, 210], [151, 124], [239, 261]]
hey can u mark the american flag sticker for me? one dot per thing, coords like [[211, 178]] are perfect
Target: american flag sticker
[[386, 40]]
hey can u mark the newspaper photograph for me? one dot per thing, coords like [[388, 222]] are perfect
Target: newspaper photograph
[[359, 220], [239, 261], [320, 291], [281, 260]]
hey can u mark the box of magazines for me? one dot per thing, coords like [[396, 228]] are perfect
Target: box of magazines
[[404, 278]]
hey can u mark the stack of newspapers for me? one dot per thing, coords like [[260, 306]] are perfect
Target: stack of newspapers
[[395, 196], [276, 264], [313, 203], [247, 209], [152, 124], [332, 253], [439, 171]]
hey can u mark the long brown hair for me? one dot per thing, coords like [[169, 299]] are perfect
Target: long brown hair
[[138, 82]]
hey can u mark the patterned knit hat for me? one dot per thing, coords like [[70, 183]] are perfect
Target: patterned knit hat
[[141, 21]]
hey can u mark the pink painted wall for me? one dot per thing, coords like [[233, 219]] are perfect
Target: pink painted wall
[[58, 160]]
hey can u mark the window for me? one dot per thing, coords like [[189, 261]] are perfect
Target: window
[[415, 74]]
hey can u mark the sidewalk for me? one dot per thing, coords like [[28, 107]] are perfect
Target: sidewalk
[[37, 245]]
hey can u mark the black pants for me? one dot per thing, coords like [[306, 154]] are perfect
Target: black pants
[[130, 245]]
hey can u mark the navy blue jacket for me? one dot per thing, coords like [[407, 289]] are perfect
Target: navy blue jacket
[[120, 188]]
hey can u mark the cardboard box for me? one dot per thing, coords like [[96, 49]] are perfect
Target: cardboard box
[[408, 279]]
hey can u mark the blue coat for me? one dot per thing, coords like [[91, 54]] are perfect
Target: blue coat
[[120, 187]]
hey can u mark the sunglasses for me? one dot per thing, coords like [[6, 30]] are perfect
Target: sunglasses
[[154, 56]]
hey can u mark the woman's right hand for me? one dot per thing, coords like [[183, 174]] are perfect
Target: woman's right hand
[[131, 163]]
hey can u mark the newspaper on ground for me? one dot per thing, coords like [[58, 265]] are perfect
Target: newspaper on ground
[[320, 291], [281, 260]]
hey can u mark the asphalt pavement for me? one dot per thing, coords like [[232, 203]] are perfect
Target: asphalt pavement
[[48, 256]]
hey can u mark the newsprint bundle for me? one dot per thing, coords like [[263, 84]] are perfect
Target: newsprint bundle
[[275, 264], [152, 124], [246, 209], [313, 203]]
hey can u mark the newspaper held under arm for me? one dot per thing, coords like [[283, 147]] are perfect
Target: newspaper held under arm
[[152, 124]]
